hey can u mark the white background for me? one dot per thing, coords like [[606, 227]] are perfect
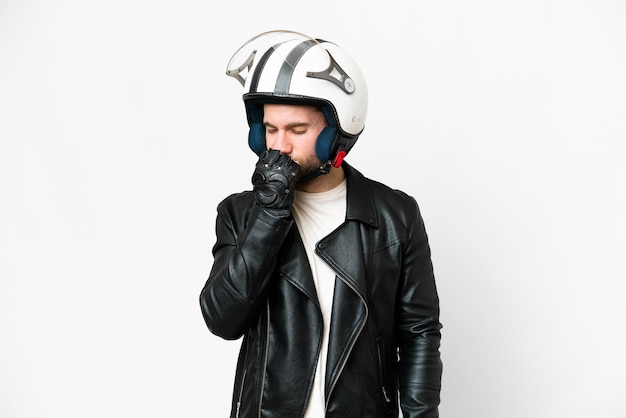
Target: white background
[[120, 133]]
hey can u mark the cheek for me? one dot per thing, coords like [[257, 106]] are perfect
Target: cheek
[[269, 140], [307, 155], [307, 145]]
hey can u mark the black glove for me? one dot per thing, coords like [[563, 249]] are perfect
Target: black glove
[[274, 179]]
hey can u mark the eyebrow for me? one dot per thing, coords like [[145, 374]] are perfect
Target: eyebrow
[[291, 125]]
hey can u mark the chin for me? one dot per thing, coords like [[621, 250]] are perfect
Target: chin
[[310, 171], [310, 167]]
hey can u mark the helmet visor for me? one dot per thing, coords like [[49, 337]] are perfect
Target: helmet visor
[[259, 48]]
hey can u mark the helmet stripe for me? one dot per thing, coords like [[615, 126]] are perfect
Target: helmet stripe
[[286, 70], [259, 68]]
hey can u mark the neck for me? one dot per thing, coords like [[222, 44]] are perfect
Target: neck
[[324, 182]]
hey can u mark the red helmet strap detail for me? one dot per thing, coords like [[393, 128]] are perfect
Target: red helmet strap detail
[[339, 159]]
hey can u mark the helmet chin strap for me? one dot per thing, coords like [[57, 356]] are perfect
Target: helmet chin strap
[[325, 168]]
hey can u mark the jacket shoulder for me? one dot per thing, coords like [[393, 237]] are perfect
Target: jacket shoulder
[[380, 192], [391, 202], [389, 194]]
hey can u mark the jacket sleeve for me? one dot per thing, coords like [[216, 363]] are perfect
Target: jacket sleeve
[[244, 257], [419, 336]]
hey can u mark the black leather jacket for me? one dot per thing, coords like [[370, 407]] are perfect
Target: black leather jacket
[[385, 329]]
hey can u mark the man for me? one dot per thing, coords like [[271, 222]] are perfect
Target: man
[[326, 274]]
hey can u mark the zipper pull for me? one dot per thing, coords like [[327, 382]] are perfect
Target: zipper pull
[[385, 395]]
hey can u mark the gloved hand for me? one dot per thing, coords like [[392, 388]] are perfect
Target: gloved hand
[[273, 180]]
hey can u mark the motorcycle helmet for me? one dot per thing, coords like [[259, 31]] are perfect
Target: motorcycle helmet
[[292, 68]]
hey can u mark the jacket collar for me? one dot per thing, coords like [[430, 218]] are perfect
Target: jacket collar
[[360, 204]]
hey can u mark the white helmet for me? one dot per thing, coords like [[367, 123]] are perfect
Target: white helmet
[[289, 67]]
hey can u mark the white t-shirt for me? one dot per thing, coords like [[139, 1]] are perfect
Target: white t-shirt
[[317, 215]]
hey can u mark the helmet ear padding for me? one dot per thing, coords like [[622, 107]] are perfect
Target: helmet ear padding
[[256, 138], [325, 143]]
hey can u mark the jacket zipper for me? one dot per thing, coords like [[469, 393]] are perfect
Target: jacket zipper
[[267, 344], [245, 372], [243, 381], [380, 369]]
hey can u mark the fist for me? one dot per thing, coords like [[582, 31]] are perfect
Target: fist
[[273, 180]]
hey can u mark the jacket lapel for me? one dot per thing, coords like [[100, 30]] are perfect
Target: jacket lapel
[[296, 268], [342, 249]]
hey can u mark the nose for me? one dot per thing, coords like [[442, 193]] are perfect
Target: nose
[[280, 141]]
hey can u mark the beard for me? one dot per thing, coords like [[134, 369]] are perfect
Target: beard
[[310, 169]]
